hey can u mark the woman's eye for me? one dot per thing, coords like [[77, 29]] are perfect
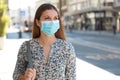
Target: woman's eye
[[47, 18], [56, 18]]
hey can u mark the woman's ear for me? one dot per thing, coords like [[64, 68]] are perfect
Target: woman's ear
[[38, 22]]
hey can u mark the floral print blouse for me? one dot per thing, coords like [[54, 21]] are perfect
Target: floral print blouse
[[61, 64]]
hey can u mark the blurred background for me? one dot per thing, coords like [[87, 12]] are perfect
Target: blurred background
[[80, 14], [92, 26]]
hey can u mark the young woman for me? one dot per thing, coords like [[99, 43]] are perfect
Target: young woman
[[53, 58]]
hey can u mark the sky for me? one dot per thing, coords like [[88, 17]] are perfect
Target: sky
[[16, 4]]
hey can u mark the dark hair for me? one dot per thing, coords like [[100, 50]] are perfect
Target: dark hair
[[36, 30]]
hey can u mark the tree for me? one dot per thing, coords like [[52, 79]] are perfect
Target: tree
[[4, 20]]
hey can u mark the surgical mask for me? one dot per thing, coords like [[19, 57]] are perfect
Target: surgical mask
[[50, 27]]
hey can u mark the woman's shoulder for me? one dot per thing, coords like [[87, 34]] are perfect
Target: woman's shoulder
[[34, 40], [30, 41], [65, 43], [67, 46]]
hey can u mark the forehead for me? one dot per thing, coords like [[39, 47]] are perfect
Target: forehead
[[50, 12]]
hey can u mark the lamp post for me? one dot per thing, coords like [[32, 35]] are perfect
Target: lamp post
[[60, 6]]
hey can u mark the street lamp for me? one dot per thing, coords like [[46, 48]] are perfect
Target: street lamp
[[60, 6]]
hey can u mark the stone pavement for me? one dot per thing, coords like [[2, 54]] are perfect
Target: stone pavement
[[97, 33], [84, 70]]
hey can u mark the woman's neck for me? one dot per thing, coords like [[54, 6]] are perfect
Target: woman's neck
[[47, 40]]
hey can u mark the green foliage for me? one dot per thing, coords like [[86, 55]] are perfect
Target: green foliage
[[3, 6], [4, 19], [3, 25]]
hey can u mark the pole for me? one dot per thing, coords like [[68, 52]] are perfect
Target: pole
[[20, 23], [60, 6]]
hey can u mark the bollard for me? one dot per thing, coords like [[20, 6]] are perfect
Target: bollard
[[20, 34], [114, 29]]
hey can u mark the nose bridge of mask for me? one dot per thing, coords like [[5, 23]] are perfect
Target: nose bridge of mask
[[48, 23], [45, 23], [52, 23]]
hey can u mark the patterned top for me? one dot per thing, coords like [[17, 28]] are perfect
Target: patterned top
[[61, 64]]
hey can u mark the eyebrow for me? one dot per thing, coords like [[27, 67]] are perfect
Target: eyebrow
[[49, 16]]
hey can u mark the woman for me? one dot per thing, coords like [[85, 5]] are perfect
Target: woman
[[53, 57]]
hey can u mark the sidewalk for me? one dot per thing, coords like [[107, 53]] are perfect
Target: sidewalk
[[97, 33], [85, 71]]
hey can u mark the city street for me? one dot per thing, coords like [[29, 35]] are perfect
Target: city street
[[92, 26], [101, 49], [97, 54], [98, 48]]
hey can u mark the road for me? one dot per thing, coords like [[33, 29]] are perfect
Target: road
[[102, 51]]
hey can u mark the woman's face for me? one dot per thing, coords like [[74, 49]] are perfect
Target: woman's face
[[49, 15]]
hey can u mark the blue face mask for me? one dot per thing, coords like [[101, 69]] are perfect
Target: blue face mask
[[50, 27]]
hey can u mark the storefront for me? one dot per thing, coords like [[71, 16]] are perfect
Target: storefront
[[95, 19]]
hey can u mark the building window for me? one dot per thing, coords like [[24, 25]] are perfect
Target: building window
[[72, 8], [78, 6], [72, 1], [83, 5]]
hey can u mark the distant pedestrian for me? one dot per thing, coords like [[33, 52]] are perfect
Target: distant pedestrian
[[53, 58], [26, 23], [70, 28], [114, 29]]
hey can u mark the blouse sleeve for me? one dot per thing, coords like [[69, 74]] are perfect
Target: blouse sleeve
[[71, 65], [21, 62]]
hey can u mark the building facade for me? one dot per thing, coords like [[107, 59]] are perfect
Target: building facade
[[88, 14], [117, 7], [39, 2], [91, 14]]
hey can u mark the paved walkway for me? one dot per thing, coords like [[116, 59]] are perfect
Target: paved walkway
[[85, 71], [98, 33]]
